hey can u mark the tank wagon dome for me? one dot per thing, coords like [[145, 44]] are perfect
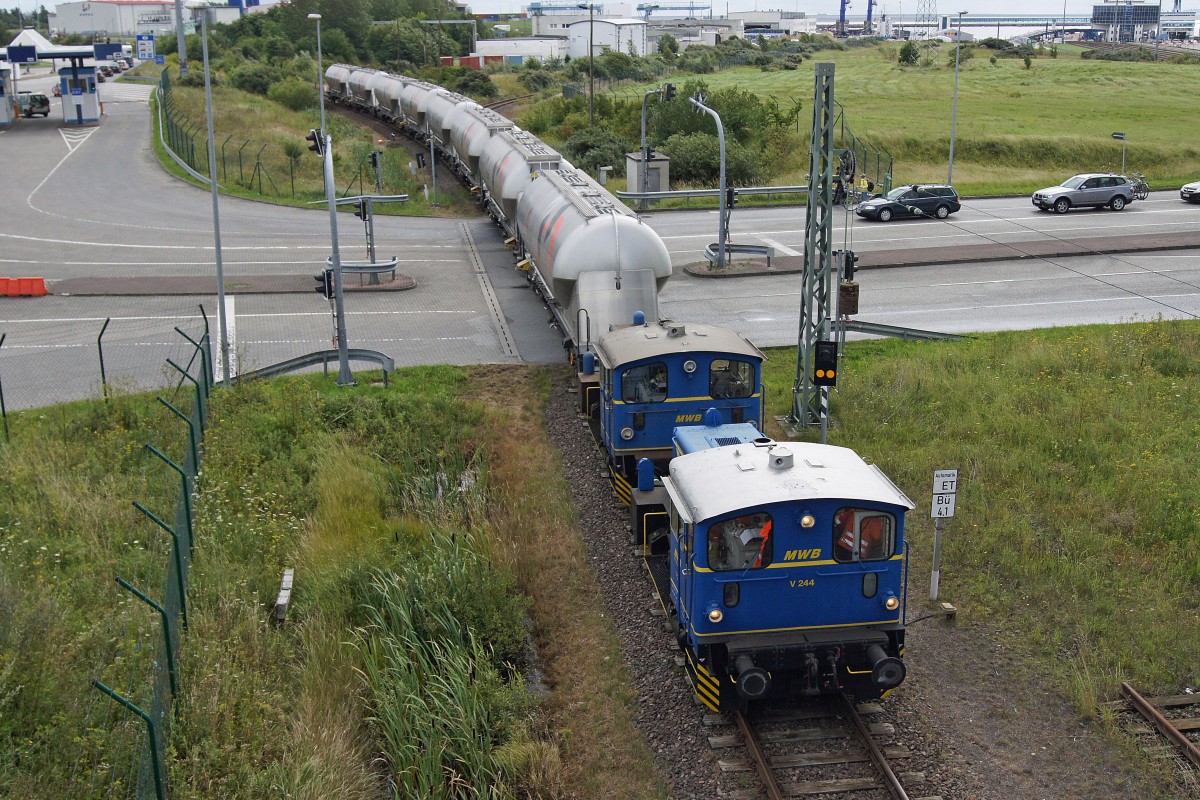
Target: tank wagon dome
[[438, 107], [363, 82], [472, 129], [573, 226], [508, 164], [338, 78], [412, 97], [637, 342], [722, 480], [387, 93]]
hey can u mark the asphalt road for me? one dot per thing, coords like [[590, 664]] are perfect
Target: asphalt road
[[92, 205]]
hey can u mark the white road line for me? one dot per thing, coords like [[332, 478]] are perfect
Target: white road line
[[174, 318], [787, 251]]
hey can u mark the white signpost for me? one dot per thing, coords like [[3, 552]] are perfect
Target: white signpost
[[945, 487]]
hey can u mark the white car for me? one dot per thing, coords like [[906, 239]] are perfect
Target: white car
[[1190, 192]]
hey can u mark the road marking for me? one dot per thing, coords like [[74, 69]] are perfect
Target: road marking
[[174, 318], [74, 137], [507, 344], [787, 251]]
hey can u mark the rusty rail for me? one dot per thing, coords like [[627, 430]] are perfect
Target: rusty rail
[[758, 757], [877, 757], [1164, 726]]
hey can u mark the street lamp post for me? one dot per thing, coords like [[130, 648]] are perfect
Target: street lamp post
[[1121, 136], [954, 107], [345, 377], [591, 9], [320, 71]]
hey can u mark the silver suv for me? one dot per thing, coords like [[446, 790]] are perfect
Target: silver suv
[[1095, 189]]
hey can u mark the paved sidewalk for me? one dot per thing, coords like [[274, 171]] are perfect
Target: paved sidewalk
[[922, 256]]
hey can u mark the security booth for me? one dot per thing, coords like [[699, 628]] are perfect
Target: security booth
[[8, 98], [80, 101]]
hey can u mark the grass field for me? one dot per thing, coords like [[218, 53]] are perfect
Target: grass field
[[427, 519], [1017, 129]]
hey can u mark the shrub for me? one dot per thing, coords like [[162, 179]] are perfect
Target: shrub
[[909, 54], [596, 147], [253, 76], [696, 158], [293, 93]]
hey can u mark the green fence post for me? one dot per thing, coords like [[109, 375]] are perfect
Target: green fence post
[[187, 495], [191, 431], [100, 347], [166, 621], [203, 361], [155, 756], [178, 557], [199, 392]]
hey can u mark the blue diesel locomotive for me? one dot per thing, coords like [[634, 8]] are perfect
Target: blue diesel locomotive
[[781, 564]]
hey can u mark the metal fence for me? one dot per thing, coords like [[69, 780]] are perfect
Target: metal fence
[[122, 728]]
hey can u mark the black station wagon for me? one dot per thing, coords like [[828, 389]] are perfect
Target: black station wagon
[[918, 200]]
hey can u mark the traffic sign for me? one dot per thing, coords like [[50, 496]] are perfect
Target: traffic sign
[[945, 486], [943, 506], [160, 60], [145, 46], [22, 55]]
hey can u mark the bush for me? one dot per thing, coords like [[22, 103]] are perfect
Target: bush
[[253, 76], [536, 80], [696, 158], [910, 54], [596, 147], [293, 93]]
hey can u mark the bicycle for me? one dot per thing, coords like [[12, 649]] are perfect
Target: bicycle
[[1141, 189]]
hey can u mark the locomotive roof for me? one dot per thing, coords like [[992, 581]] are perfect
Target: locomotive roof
[[711, 483], [624, 345]]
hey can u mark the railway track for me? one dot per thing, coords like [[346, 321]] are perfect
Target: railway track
[[1175, 718], [500, 105], [824, 747]]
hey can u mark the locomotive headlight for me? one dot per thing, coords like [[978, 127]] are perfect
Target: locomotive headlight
[[807, 521], [891, 602], [627, 433], [715, 615], [689, 366]]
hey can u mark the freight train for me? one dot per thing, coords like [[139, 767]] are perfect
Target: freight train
[[782, 565]]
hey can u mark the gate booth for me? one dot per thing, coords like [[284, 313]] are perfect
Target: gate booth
[[80, 101], [8, 98]]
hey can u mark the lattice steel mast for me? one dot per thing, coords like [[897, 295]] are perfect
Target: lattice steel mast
[[810, 403], [927, 18]]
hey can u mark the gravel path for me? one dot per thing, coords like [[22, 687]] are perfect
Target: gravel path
[[976, 730]]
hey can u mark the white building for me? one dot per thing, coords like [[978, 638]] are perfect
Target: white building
[[621, 35], [119, 17], [542, 48]]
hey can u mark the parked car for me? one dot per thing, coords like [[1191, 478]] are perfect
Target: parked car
[[918, 200], [1088, 189], [30, 103], [1190, 192]]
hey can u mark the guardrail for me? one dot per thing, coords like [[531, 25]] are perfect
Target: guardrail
[[688, 194], [323, 357], [710, 251]]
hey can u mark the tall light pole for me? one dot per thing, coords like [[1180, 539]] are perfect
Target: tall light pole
[[954, 107], [591, 9], [320, 71], [345, 377]]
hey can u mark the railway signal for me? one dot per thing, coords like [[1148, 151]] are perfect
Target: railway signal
[[324, 283], [317, 140], [825, 364]]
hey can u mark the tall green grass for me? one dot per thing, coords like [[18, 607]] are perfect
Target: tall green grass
[[1076, 532]]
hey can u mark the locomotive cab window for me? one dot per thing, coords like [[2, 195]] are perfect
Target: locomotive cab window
[[743, 542], [730, 378], [863, 534], [646, 383]]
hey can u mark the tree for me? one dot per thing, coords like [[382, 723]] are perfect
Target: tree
[[910, 54], [696, 158], [476, 84], [668, 45]]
